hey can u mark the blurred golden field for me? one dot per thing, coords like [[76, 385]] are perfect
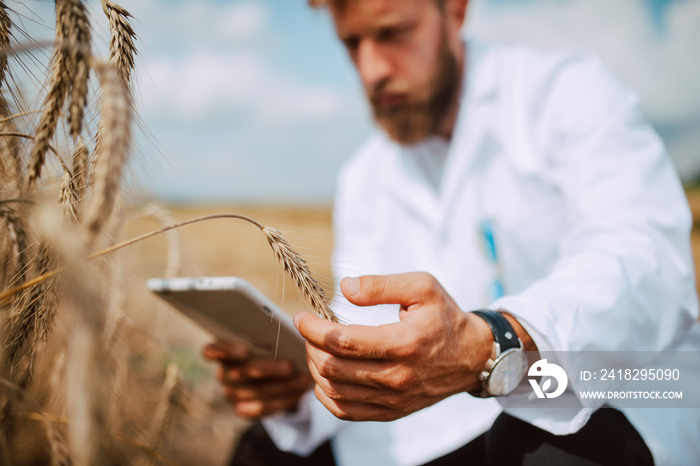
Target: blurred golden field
[[225, 247]]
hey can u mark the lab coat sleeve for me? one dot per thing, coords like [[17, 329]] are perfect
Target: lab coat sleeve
[[624, 277], [303, 431]]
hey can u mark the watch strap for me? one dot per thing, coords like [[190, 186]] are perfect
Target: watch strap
[[503, 332]]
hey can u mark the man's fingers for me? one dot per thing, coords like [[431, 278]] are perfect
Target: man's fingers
[[406, 289], [349, 411], [379, 394], [267, 390], [371, 373], [355, 341], [259, 408], [254, 370], [225, 352]]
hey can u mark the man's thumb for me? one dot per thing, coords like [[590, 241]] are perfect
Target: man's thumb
[[404, 288]]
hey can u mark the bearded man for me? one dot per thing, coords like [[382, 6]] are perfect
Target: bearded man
[[521, 184]]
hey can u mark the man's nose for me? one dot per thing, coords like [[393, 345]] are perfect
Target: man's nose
[[372, 63]]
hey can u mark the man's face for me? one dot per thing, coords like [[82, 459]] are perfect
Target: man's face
[[401, 50]]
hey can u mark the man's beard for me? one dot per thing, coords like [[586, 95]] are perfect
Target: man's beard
[[422, 114]]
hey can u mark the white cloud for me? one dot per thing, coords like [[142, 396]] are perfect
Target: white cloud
[[200, 85], [220, 66], [244, 20], [201, 24]]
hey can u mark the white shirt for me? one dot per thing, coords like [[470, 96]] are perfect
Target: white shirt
[[592, 229]]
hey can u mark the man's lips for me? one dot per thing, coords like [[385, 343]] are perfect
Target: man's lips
[[388, 99]]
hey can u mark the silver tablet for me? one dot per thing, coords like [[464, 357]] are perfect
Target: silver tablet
[[233, 310]]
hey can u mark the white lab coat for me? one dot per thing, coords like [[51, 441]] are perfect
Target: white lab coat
[[592, 229]]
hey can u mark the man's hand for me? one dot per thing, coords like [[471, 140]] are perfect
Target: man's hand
[[386, 372], [256, 387]]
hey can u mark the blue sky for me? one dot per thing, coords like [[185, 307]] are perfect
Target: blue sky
[[255, 101]]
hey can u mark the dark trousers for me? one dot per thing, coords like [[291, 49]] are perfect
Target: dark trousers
[[607, 439]]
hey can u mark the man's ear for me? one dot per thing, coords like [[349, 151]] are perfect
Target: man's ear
[[455, 13]]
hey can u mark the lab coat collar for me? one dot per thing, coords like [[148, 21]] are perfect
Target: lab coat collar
[[469, 143]]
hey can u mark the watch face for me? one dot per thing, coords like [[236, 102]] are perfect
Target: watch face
[[507, 373]]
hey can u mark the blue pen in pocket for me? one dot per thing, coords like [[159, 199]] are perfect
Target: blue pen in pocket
[[496, 289]]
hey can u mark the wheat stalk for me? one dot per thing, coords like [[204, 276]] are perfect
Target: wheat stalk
[[168, 407], [163, 217], [87, 371], [58, 447]]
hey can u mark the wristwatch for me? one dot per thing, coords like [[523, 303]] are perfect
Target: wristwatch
[[508, 363]]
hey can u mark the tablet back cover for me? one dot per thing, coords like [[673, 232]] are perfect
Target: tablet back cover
[[233, 310]]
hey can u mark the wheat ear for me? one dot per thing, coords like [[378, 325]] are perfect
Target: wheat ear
[[122, 36], [59, 84], [79, 49], [80, 167], [68, 198], [297, 268], [31, 316], [10, 176], [5, 34], [114, 146], [18, 240]]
